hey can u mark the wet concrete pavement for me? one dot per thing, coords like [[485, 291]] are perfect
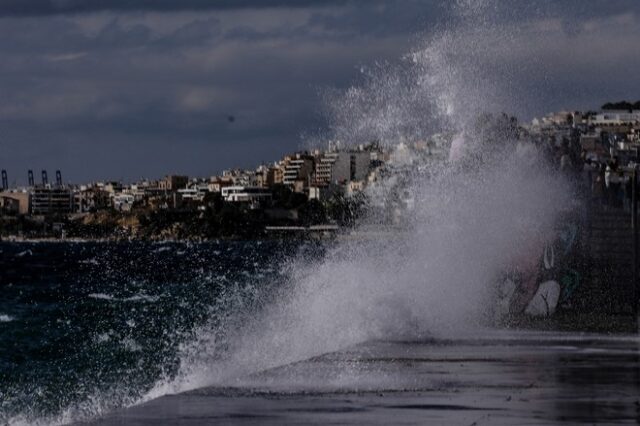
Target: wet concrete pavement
[[505, 378]]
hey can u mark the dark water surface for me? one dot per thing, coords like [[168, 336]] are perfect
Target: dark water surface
[[88, 327]]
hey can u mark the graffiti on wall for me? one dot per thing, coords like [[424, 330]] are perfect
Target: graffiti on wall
[[551, 281]]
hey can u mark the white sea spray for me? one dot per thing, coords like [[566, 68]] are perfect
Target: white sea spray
[[484, 205]]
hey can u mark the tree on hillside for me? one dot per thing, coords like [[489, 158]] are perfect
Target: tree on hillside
[[621, 106]]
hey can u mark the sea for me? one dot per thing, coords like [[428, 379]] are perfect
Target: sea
[[88, 327]]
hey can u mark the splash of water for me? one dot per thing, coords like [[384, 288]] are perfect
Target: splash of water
[[487, 205]]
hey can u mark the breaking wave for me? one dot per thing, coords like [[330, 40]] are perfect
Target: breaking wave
[[423, 266]]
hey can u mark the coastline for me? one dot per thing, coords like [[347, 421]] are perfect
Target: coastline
[[81, 240]]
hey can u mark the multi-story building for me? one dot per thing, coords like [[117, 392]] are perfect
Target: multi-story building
[[217, 183], [89, 199], [195, 191], [254, 196], [275, 175], [324, 166], [47, 200], [14, 202], [297, 167], [138, 191], [351, 166], [144, 189], [261, 176], [240, 177], [110, 187], [615, 118], [123, 202], [172, 183]]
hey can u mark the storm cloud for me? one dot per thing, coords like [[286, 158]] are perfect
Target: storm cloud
[[125, 89], [52, 7]]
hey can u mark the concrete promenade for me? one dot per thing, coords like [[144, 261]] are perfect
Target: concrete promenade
[[496, 378]]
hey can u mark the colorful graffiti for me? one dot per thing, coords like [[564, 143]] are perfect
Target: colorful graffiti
[[541, 287]]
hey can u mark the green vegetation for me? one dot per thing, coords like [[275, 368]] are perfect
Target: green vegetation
[[622, 105]]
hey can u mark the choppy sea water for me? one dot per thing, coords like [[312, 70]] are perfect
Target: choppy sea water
[[88, 327]]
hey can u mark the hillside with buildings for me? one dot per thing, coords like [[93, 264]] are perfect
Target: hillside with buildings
[[325, 189], [302, 190]]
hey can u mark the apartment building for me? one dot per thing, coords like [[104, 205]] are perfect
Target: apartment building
[[297, 167], [51, 200], [172, 183]]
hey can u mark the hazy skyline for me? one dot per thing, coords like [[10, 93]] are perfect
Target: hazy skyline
[[126, 89]]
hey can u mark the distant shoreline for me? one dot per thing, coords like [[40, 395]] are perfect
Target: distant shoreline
[[267, 237]]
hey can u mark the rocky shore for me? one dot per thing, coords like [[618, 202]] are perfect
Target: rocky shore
[[223, 221]]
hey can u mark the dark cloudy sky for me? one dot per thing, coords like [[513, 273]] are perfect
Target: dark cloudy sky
[[130, 88]]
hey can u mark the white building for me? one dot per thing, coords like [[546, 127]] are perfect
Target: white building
[[123, 202], [246, 194], [613, 117], [195, 191]]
